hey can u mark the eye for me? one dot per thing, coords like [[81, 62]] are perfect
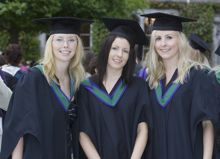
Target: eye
[[58, 39], [72, 40], [126, 51], [169, 37], [114, 48], [157, 38]]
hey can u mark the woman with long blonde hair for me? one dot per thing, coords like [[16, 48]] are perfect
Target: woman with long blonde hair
[[199, 48], [182, 116], [41, 119]]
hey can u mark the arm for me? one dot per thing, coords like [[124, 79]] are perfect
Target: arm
[[208, 139], [141, 141], [88, 146], [18, 151]]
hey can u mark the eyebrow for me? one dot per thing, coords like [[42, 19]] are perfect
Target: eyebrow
[[165, 35], [60, 36]]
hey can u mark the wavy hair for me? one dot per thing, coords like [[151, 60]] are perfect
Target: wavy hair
[[76, 70], [155, 65], [199, 57]]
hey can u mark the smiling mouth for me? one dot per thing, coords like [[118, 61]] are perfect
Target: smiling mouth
[[117, 61], [164, 50], [65, 52]]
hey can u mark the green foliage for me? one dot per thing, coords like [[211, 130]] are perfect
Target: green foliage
[[17, 15], [4, 40], [17, 24], [31, 51], [204, 14], [98, 35]]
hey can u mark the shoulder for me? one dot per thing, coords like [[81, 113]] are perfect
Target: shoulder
[[34, 72], [198, 71], [200, 76], [138, 82], [142, 73], [32, 76], [90, 80]]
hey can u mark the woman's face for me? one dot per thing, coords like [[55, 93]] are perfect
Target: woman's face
[[166, 44], [64, 46], [119, 54]]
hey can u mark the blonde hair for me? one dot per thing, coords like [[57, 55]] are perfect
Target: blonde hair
[[76, 70], [155, 65], [199, 57]]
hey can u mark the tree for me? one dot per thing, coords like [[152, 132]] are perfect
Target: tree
[[17, 25], [17, 15]]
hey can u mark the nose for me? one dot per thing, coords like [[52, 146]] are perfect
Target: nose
[[65, 43], [120, 53], [163, 42]]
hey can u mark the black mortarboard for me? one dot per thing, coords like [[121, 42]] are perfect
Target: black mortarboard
[[165, 21], [129, 29], [65, 25], [217, 51], [197, 43]]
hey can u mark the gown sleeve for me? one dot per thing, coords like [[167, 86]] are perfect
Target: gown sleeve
[[146, 112], [215, 75], [21, 117], [203, 106], [85, 115]]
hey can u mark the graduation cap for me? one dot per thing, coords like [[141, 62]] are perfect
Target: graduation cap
[[65, 25], [126, 28], [165, 21], [197, 43], [217, 51]]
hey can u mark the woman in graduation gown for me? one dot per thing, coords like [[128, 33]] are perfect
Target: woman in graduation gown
[[180, 94], [113, 105], [36, 124], [199, 49]]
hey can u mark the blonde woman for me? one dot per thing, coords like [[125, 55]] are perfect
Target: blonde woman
[[36, 124], [199, 47], [182, 114]]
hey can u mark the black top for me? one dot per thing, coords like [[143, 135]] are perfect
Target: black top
[[36, 113], [177, 131], [112, 126], [8, 79]]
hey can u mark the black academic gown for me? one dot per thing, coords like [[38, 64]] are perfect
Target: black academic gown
[[215, 76], [113, 129], [177, 131], [36, 114], [8, 79]]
